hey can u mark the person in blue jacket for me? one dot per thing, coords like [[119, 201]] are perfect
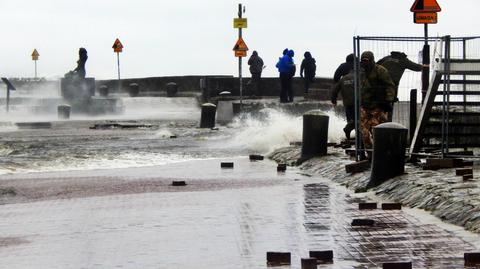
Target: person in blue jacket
[[286, 68]]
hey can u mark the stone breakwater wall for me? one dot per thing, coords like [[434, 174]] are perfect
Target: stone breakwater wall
[[440, 192]]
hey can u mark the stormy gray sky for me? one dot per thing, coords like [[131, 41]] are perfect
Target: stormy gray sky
[[192, 37]]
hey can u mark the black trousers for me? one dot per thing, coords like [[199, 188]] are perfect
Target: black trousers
[[286, 91]]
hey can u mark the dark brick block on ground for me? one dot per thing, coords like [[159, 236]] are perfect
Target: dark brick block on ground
[[363, 222], [254, 157], [367, 206], [226, 165], [179, 183], [464, 171], [468, 177], [357, 167], [309, 263], [472, 258], [392, 206], [322, 256], [397, 265], [278, 258], [281, 167]]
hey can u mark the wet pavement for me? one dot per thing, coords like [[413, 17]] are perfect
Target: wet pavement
[[223, 219]]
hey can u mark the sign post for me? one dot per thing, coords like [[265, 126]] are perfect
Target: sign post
[[35, 55], [240, 47], [117, 48], [425, 12]]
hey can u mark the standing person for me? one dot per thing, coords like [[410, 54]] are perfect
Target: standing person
[[286, 68], [346, 88], [396, 63], [307, 70], [256, 68], [344, 68], [377, 95]]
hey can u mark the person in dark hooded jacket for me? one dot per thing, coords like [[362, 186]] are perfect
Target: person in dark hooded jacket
[[256, 68], [344, 68], [307, 70], [396, 63]]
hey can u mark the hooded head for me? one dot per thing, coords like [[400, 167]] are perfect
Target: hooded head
[[367, 60], [291, 53], [398, 54], [350, 58], [285, 51], [307, 55], [254, 53]]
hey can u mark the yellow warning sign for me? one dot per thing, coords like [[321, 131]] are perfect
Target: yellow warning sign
[[117, 46], [425, 17], [35, 55], [240, 23]]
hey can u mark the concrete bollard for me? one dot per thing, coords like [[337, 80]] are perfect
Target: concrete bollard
[[224, 108], [63, 112], [133, 89], [309, 263], [207, 119], [315, 134], [172, 89], [389, 144], [103, 90]]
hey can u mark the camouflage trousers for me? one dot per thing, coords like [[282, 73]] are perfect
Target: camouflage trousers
[[369, 118]]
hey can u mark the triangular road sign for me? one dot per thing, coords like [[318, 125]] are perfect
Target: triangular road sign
[[35, 55], [117, 46], [240, 45], [426, 6]]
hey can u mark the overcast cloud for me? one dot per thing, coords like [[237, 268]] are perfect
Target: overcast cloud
[[192, 37]]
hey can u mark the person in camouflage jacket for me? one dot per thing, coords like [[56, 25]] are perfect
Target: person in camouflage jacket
[[377, 96]]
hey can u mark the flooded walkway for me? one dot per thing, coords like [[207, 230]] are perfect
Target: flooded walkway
[[222, 219]]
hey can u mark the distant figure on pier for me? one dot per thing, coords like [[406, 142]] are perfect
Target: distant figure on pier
[[256, 68], [344, 68], [307, 70], [79, 72], [396, 63], [377, 96], [346, 88], [286, 68]]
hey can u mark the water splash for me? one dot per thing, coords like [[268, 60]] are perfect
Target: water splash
[[272, 129]]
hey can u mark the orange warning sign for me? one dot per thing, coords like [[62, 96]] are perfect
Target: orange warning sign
[[117, 46], [426, 6], [240, 53], [240, 45], [425, 17], [35, 55]]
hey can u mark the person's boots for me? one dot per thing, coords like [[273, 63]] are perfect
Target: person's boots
[[347, 133]]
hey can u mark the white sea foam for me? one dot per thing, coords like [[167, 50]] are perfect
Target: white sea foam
[[272, 129]]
